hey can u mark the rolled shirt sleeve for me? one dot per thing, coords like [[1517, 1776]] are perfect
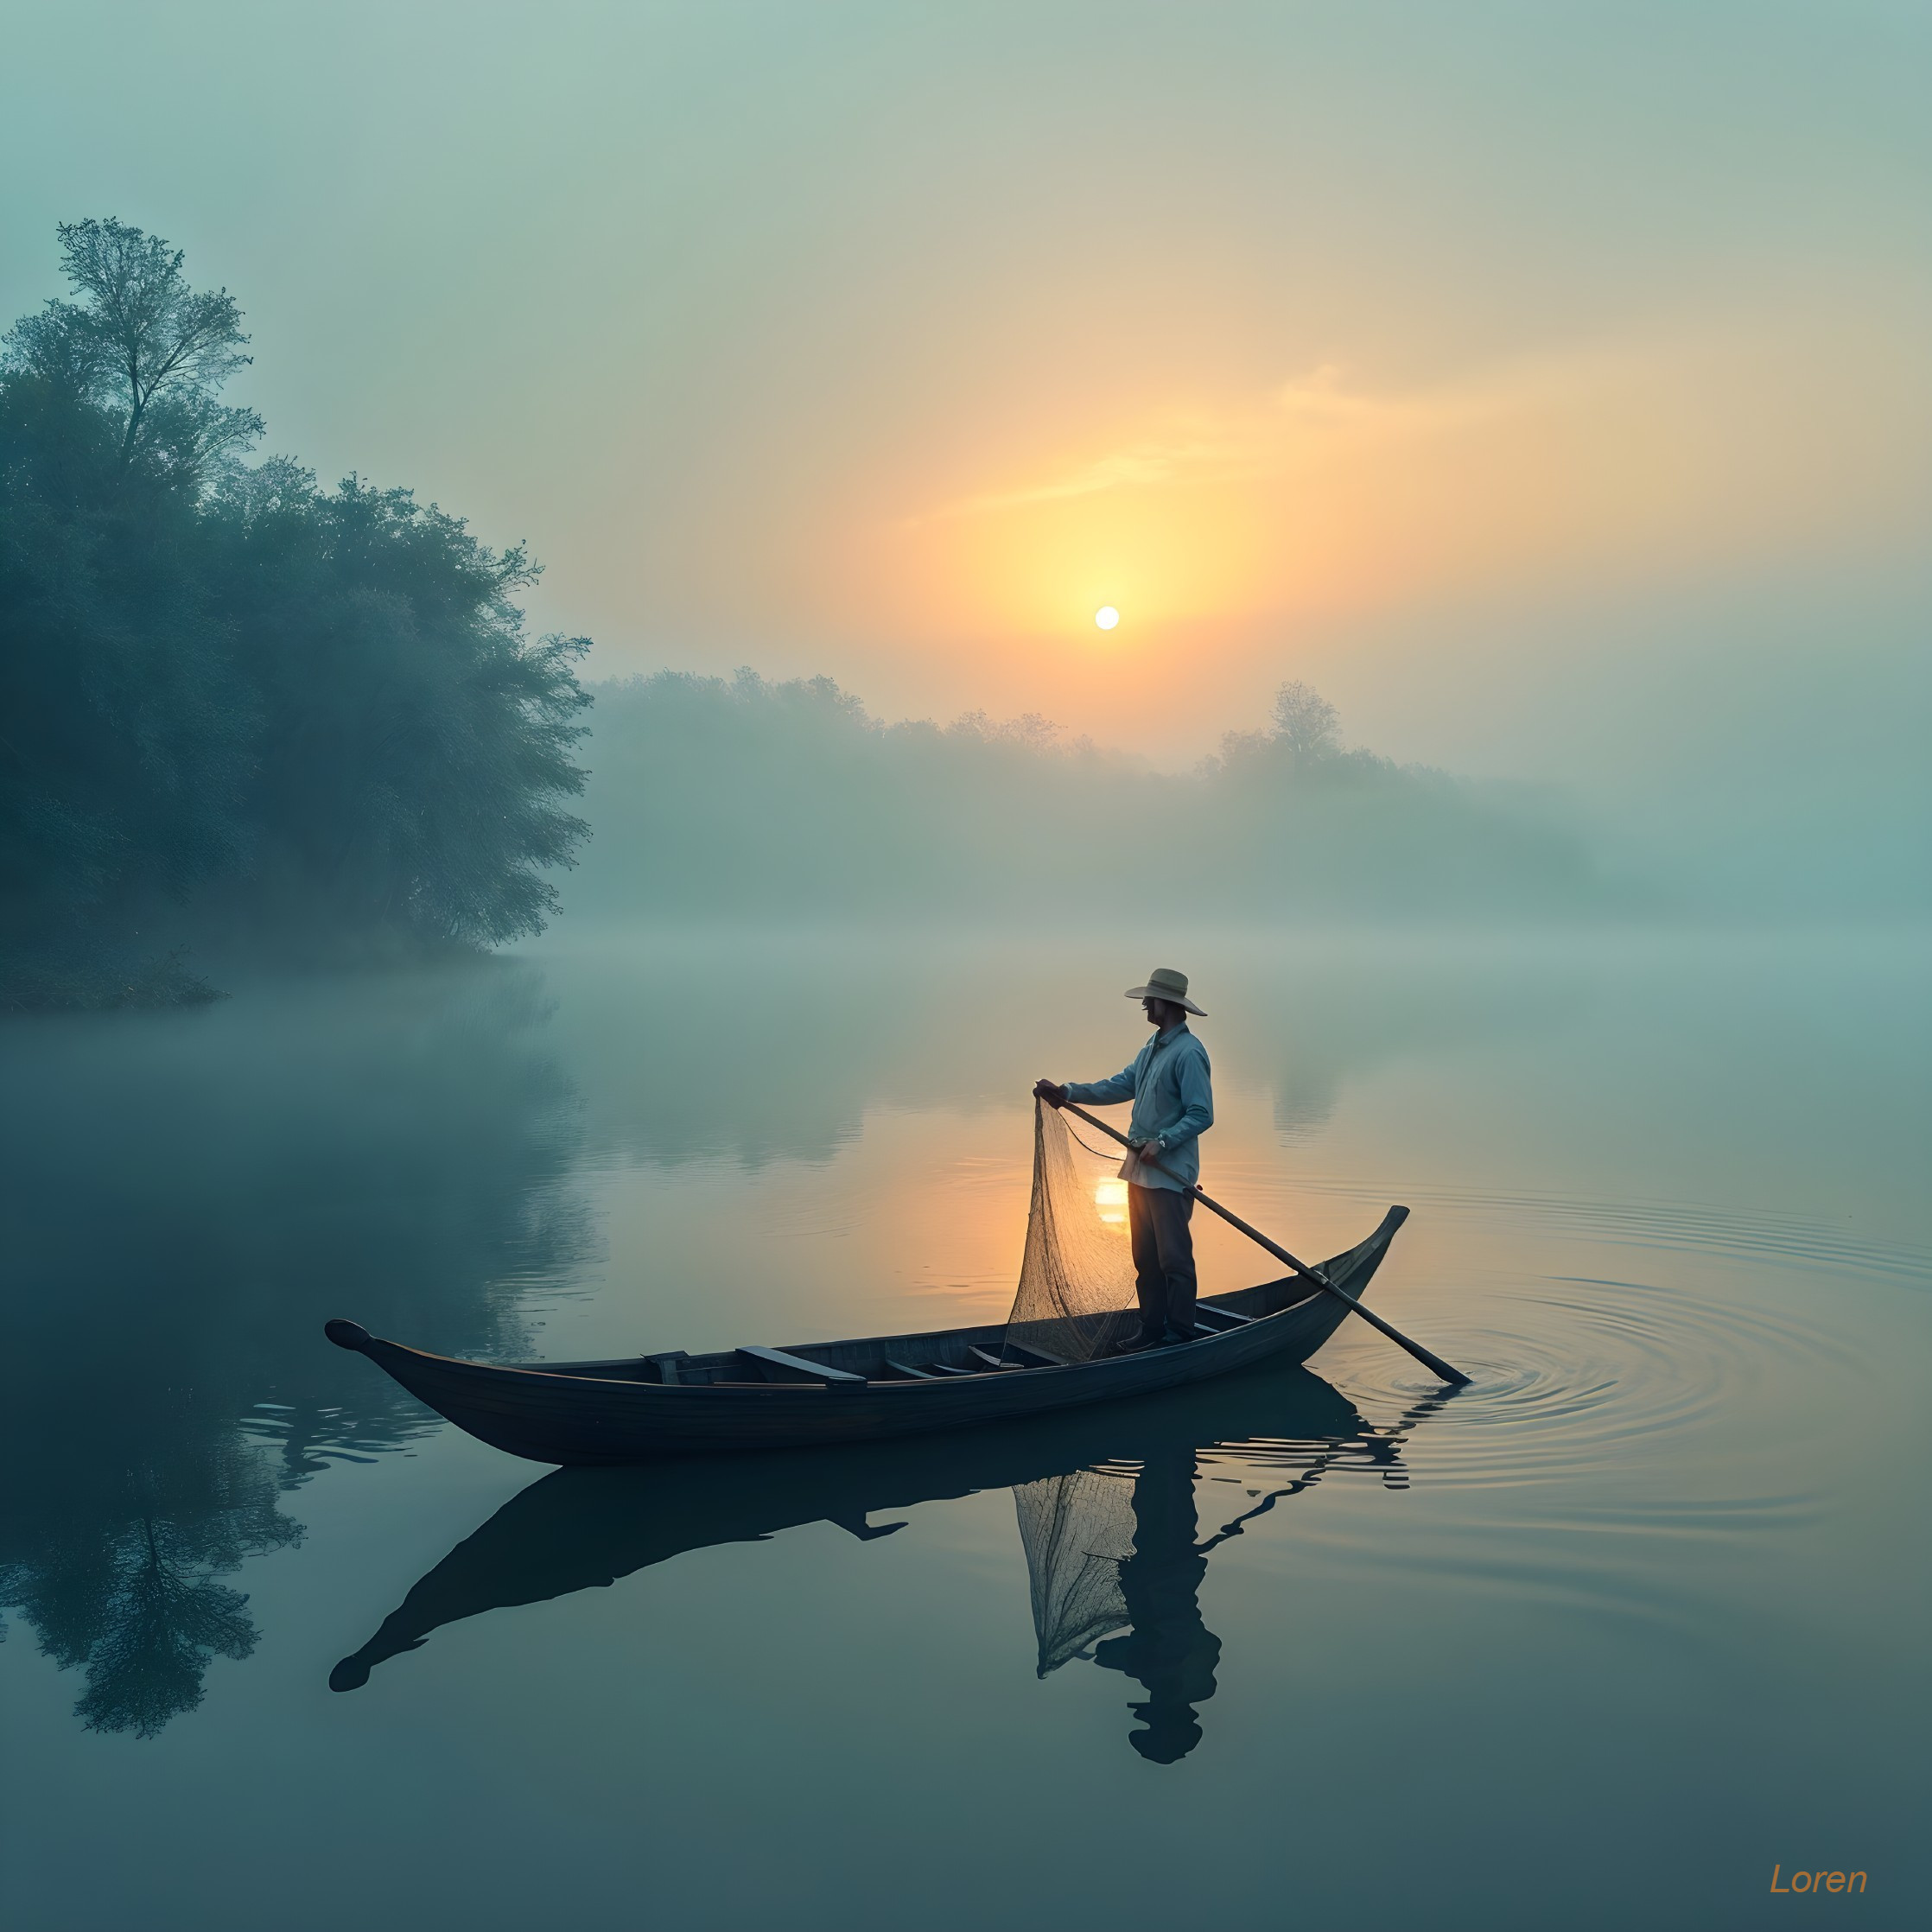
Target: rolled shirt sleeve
[[1103, 1093]]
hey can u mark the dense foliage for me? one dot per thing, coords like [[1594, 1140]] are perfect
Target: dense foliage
[[755, 799], [233, 700]]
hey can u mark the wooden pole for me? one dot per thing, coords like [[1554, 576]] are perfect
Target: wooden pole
[[1428, 1358]]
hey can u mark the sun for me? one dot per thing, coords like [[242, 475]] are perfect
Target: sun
[[1107, 617]]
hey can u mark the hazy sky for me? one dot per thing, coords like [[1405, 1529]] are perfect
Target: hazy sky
[[1535, 378]]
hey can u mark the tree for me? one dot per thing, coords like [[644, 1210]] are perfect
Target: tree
[[1305, 721], [227, 696], [141, 344], [414, 744], [124, 731]]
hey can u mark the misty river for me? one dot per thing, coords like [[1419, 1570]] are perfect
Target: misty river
[[1596, 1641]]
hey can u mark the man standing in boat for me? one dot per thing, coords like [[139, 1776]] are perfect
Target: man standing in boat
[[1169, 1083]]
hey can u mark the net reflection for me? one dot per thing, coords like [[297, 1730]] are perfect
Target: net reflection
[[1107, 1503]]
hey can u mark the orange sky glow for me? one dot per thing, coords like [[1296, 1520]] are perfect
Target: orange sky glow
[[889, 344]]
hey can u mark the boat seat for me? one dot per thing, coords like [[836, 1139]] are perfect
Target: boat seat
[[1039, 1356], [1220, 1313], [907, 1369], [780, 1359], [947, 1368], [987, 1356]]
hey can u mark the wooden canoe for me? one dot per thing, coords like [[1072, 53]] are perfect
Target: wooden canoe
[[640, 1407]]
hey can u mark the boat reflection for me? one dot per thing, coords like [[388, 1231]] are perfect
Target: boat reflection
[[1107, 1501]]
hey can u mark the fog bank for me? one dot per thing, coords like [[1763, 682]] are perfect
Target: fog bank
[[751, 799]]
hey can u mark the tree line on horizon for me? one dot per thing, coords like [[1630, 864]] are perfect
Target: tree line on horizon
[[232, 702], [750, 799]]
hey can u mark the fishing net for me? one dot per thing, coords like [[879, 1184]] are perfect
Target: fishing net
[[1077, 1530], [1075, 1298]]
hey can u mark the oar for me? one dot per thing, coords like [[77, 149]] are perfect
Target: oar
[[1429, 1360]]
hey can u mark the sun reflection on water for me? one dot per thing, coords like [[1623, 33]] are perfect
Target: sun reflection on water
[[1110, 1197]]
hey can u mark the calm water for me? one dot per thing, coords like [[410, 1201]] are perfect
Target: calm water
[[1596, 1643]]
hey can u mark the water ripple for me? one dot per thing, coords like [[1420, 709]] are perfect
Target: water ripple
[[1570, 1374]]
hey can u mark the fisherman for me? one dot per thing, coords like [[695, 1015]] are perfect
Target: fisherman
[[1173, 1105]]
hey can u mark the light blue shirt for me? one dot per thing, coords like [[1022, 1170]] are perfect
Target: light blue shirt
[[1173, 1105]]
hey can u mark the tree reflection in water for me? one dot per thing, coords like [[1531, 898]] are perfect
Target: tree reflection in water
[[1106, 1499], [181, 1204], [134, 1600]]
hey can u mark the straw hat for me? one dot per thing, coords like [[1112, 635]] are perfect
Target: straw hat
[[1165, 983]]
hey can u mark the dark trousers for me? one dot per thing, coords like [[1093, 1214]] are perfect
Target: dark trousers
[[1157, 1218]]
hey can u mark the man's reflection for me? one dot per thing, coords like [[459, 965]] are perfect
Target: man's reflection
[[1110, 1551], [1169, 1650]]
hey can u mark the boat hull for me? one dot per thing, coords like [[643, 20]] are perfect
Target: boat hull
[[597, 1414]]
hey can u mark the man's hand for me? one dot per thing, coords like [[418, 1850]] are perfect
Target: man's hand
[[1053, 1094]]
